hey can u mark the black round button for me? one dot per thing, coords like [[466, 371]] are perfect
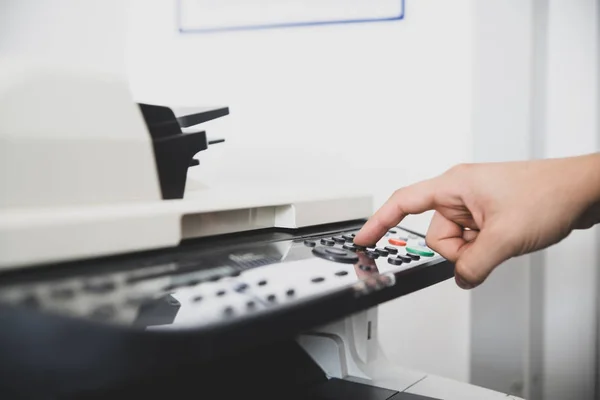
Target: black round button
[[310, 243], [271, 297], [366, 267], [62, 293], [391, 250], [392, 231], [335, 254], [348, 238], [290, 292], [405, 258], [221, 293], [413, 256], [250, 304], [372, 254], [317, 279], [382, 252], [99, 287], [197, 299], [350, 247], [395, 261], [262, 283], [327, 242], [228, 311], [359, 247], [339, 239], [341, 273], [240, 287]]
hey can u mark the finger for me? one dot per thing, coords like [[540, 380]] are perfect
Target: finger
[[480, 257], [445, 237], [414, 199]]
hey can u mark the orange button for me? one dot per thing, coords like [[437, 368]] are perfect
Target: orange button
[[397, 242]]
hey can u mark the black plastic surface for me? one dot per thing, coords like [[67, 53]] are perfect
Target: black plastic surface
[[173, 149]]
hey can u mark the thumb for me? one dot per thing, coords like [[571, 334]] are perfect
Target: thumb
[[480, 257]]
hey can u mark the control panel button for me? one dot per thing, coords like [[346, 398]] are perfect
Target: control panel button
[[405, 259], [262, 283], [372, 254], [318, 279], [327, 242], [221, 293], [99, 287], [348, 238], [392, 231], [341, 273], [271, 298], [413, 256], [420, 251], [335, 254], [290, 292], [240, 287], [350, 247], [395, 261], [391, 250], [367, 268], [397, 242], [339, 239], [62, 293], [382, 252], [310, 243]]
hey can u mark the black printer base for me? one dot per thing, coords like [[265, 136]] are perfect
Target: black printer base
[[280, 370]]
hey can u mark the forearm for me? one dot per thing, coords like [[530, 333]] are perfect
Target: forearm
[[585, 176]]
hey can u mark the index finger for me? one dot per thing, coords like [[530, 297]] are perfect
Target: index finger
[[413, 199]]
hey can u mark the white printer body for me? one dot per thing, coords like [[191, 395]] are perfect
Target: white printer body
[[81, 180]]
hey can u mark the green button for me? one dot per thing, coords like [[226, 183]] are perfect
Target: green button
[[421, 252]]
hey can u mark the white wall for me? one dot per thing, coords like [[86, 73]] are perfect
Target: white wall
[[572, 109], [377, 105], [536, 95]]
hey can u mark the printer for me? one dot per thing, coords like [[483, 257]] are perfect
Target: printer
[[119, 279]]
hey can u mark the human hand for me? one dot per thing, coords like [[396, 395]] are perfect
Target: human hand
[[486, 214]]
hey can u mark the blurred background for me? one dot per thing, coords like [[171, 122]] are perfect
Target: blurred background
[[402, 93]]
